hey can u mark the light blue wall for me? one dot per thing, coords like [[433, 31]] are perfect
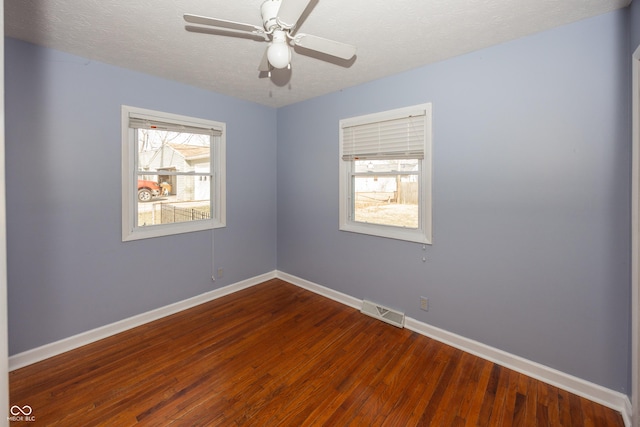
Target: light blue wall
[[68, 270], [531, 199]]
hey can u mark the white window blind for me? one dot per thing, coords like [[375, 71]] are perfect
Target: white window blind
[[142, 122], [394, 138]]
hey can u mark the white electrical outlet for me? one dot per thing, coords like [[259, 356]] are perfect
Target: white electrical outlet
[[220, 271], [424, 303]]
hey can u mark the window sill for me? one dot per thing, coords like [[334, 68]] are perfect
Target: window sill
[[389, 232], [168, 230]]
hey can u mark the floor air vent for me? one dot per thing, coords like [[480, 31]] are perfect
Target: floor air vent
[[385, 314]]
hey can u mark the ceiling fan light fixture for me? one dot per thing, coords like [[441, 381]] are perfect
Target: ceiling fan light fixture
[[279, 55], [279, 52]]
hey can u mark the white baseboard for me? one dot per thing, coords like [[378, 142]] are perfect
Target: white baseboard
[[320, 290], [49, 350], [594, 392]]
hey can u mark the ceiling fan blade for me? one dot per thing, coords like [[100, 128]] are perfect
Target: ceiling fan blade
[[290, 12], [264, 64], [215, 22], [329, 47]]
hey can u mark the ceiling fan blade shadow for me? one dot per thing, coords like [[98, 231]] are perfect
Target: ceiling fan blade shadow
[[280, 77], [326, 46], [222, 23], [228, 33], [291, 11], [264, 63]]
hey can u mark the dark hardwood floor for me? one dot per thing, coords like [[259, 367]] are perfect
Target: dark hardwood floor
[[278, 355]]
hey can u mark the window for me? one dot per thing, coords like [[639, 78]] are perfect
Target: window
[[173, 174], [385, 174]]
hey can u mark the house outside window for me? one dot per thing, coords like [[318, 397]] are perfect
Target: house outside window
[[385, 174], [173, 174]]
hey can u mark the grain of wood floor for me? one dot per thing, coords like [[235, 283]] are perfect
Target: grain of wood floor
[[278, 355]]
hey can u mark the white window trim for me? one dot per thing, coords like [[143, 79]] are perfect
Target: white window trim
[[424, 233], [218, 163]]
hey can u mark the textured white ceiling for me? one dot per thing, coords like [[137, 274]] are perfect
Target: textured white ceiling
[[391, 36]]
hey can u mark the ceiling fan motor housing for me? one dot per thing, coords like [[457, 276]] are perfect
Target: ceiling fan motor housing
[[269, 11]]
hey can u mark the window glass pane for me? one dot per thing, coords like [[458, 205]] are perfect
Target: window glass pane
[[382, 197], [177, 208], [173, 177], [387, 165], [160, 150]]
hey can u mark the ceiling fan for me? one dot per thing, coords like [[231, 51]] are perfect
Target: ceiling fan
[[279, 20]]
